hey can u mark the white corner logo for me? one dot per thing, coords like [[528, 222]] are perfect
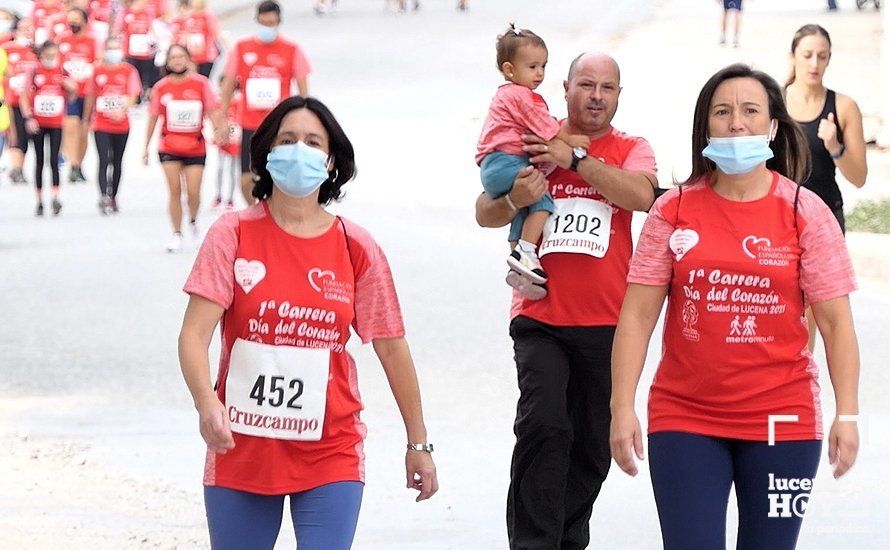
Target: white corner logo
[[249, 273], [682, 241]]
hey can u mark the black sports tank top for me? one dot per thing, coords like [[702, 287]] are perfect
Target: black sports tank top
[[822, 178]]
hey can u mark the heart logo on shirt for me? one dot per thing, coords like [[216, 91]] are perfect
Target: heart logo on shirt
[[682, 241], [249, 58], [749, 244], [316, 276], [249, 273], [101, 79]]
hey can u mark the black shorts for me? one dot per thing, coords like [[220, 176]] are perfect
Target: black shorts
[[732, 5], [21, 134], [186, 161], [204, 69], [246, 136], [75, 108], [149, 74]]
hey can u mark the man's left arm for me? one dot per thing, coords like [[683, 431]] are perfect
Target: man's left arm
[[631, 188]]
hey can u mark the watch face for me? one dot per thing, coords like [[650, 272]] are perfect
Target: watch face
[[579, 152]]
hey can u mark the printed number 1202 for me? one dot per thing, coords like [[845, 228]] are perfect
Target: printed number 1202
[[580, 223]]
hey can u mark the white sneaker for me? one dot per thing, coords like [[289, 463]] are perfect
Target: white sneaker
[[175, 244], [527, 264], [196, 234], [526, 288]]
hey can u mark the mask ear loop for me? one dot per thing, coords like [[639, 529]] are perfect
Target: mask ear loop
[[773, 129]]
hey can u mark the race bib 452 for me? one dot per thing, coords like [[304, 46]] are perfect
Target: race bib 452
[[278, 392]]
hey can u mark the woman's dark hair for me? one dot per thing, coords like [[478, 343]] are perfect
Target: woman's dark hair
[[791, 152], [803, 32], [185, 50], [49, 44], [269, 6], [338, 144], [82, 12], [513, 39]]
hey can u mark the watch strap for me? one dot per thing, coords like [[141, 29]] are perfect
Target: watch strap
[[423, 447], [840, 152]]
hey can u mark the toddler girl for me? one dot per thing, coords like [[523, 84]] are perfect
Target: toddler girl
[[516, 110]]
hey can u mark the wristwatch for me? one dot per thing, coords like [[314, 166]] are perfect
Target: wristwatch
[[839, 153], [578, 154], [424, 447]]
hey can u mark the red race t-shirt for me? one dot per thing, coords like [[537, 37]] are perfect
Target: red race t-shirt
[[196, 31], [587, 245], [138, 39], [112, 85], [48, 21], [101, 10], [48, 96], [296, 424], [265, 72], [78, 56], [181, 106], [233, 147], [740, 276], [22, 62]]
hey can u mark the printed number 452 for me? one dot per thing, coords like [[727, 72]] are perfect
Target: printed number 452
[[276, 391]]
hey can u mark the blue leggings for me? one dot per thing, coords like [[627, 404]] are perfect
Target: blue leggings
[[324, 518], [692, 475]]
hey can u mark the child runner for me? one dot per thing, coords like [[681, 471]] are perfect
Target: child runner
[[228, 166], [516, 110]]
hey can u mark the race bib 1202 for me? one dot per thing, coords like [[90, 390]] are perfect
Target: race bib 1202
[[578, 226]]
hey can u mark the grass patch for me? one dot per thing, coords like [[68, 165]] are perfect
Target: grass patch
[[870, 217]]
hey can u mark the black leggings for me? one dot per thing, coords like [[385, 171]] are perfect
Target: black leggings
[[111, 150], [21, 134], [55, 141]]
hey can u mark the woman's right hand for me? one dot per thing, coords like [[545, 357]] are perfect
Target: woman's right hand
[[214, 425], [32, 127], [626, 439]]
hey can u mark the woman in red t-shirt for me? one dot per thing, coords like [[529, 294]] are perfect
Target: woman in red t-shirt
[[182, 100], [22, 62], [42, 103], [113, 88], [198, 30], [288, 280], [140, 42], [739, 250]]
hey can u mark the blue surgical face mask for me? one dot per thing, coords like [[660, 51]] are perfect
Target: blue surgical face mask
[[739, 155], [297, 170], [114, 57], [266, 34]]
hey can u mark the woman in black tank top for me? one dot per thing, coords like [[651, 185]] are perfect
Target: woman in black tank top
[[834, 132]]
